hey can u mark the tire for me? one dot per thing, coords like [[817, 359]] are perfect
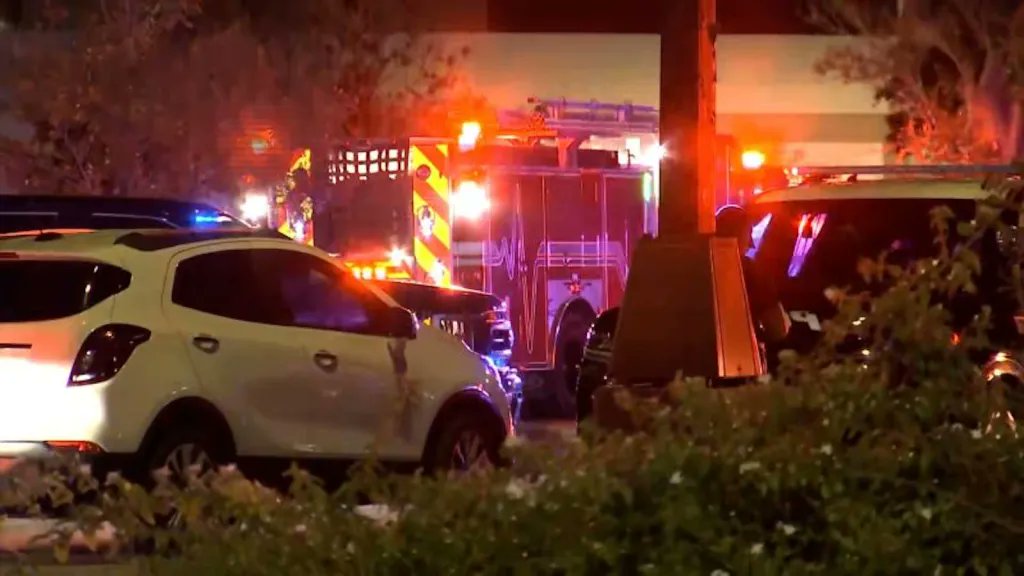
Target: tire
[[468, 440], [180, 446], [592, 376], [1011, 390], [572, 337], [168, 450]]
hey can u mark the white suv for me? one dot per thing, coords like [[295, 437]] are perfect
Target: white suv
[[140, 349]]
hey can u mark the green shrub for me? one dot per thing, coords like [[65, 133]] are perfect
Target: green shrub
[[897, 460]]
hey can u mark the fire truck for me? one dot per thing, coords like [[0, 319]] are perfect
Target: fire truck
[[518, 207]]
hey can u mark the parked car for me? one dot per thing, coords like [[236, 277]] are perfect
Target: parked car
[[594, 367], [152, 348], [810, 237], [479, 319], [38, 212]]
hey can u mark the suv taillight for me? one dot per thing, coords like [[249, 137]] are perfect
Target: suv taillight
[[105, 352]]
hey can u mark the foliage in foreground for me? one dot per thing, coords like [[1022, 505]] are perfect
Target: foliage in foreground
[[895, 460]]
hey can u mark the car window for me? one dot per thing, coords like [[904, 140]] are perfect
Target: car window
[[320, 295], [606, 321], [40, 290], [229, 284], [22, 221], [820, 243]]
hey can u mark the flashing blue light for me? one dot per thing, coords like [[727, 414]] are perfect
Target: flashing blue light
[[209, 218]]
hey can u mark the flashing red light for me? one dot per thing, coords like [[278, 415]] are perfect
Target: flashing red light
[[470, 135], [470, 200]]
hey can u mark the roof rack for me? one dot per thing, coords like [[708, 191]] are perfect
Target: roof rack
[[910, 170], [153, 240]]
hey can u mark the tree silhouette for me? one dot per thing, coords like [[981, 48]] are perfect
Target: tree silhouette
[[949, 69], [158, 97]]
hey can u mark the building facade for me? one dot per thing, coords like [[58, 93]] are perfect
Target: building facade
[[768, 92]]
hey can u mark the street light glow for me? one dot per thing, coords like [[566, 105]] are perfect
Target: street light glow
[[255, 207], [752, 159]]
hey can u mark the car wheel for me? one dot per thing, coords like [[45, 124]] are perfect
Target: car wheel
[[592, 375], [185, 453], [572, 335], [466, 443]]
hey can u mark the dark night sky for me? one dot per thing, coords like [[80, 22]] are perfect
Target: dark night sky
[[636, 16], [640, 16]]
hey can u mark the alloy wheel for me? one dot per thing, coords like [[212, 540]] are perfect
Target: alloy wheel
[[470, 453], [187, 459]]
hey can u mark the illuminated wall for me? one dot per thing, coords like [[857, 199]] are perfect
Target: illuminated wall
[[768, 91]]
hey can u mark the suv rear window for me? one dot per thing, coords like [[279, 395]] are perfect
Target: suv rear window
[[819, 243], [40, 290]]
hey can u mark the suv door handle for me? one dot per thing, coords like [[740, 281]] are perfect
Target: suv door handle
[[326, 361], [207, 344]]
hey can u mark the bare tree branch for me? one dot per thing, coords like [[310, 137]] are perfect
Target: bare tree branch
[[950, 69]]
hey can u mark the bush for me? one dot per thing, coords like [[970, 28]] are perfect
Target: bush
[[895, 460]]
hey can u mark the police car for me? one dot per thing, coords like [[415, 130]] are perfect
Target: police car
[[810, 236], [44, 212]]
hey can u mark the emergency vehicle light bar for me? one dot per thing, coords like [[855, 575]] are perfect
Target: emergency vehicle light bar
[[907, 170]]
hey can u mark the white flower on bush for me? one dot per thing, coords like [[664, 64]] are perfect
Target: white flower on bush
[[826, 449], [925, 513], [516, 489], [976, 434], [757, 549], [676, 479], [720, 573], [749, 466], [379, 513], [787, 529]]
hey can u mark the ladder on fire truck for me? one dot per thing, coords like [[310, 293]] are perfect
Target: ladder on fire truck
[[571, 123], [595, 118]]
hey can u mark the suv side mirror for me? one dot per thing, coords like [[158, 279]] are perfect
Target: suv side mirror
[[401, 323]]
